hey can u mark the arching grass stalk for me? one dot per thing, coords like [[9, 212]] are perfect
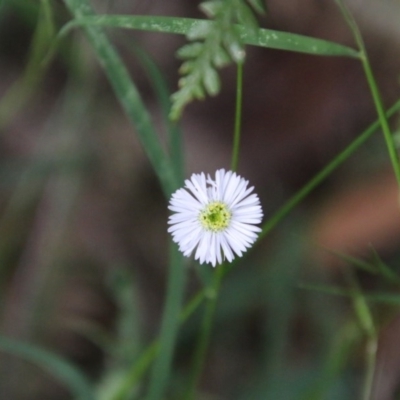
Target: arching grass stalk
[[211, 292], [374, 89]]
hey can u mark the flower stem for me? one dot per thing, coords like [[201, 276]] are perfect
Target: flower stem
[[213, 290], [211, 297], [374, 90], [238, 117]]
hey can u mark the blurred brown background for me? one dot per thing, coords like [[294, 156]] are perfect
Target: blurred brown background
[[79, 202]]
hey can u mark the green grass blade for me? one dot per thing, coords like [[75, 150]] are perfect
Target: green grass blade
[[169, 326], [384, 298], [374, 89], [2, 5], [187, 26], [375, 267], [136, 372], [384, 269], [354, 261], [163, 94], [374, 297], [128, 96], [25, 9], [54, 365], [337, 358], [21, 91]]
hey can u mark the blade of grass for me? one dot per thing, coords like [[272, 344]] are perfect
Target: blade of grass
[[163, 94], [20, 92], [184, 26], [170, 325], [354, 261], [375, 297], [2, 7], [65, 372], [128, 96], [376, 96], [27, 9], [376, 267], [337, 358], [384, 269], [138, 369]]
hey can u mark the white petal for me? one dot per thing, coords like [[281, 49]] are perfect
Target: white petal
[[226, 249]]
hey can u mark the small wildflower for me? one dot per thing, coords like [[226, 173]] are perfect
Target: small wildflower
[[216, 218]]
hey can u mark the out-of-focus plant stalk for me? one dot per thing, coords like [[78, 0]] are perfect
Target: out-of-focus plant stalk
[[394, 157]]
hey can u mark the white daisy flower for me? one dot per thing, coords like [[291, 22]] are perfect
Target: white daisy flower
[[215, 217]]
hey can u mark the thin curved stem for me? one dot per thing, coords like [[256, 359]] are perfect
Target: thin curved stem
[[394, 157]]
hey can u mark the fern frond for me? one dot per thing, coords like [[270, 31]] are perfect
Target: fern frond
[[212, 48]]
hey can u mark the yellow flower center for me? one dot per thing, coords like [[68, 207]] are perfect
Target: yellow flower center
[[215, 217]]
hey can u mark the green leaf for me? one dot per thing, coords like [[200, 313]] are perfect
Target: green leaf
[[198, 92], [65, 372], [186, 68], [199, 28], [211, 8], [234, 46], [163, 93], [220, 58], [246, 18], [190, 50], [212, 82], [128, 96]]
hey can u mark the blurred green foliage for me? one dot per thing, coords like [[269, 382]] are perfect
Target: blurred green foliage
[[276, 332]]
